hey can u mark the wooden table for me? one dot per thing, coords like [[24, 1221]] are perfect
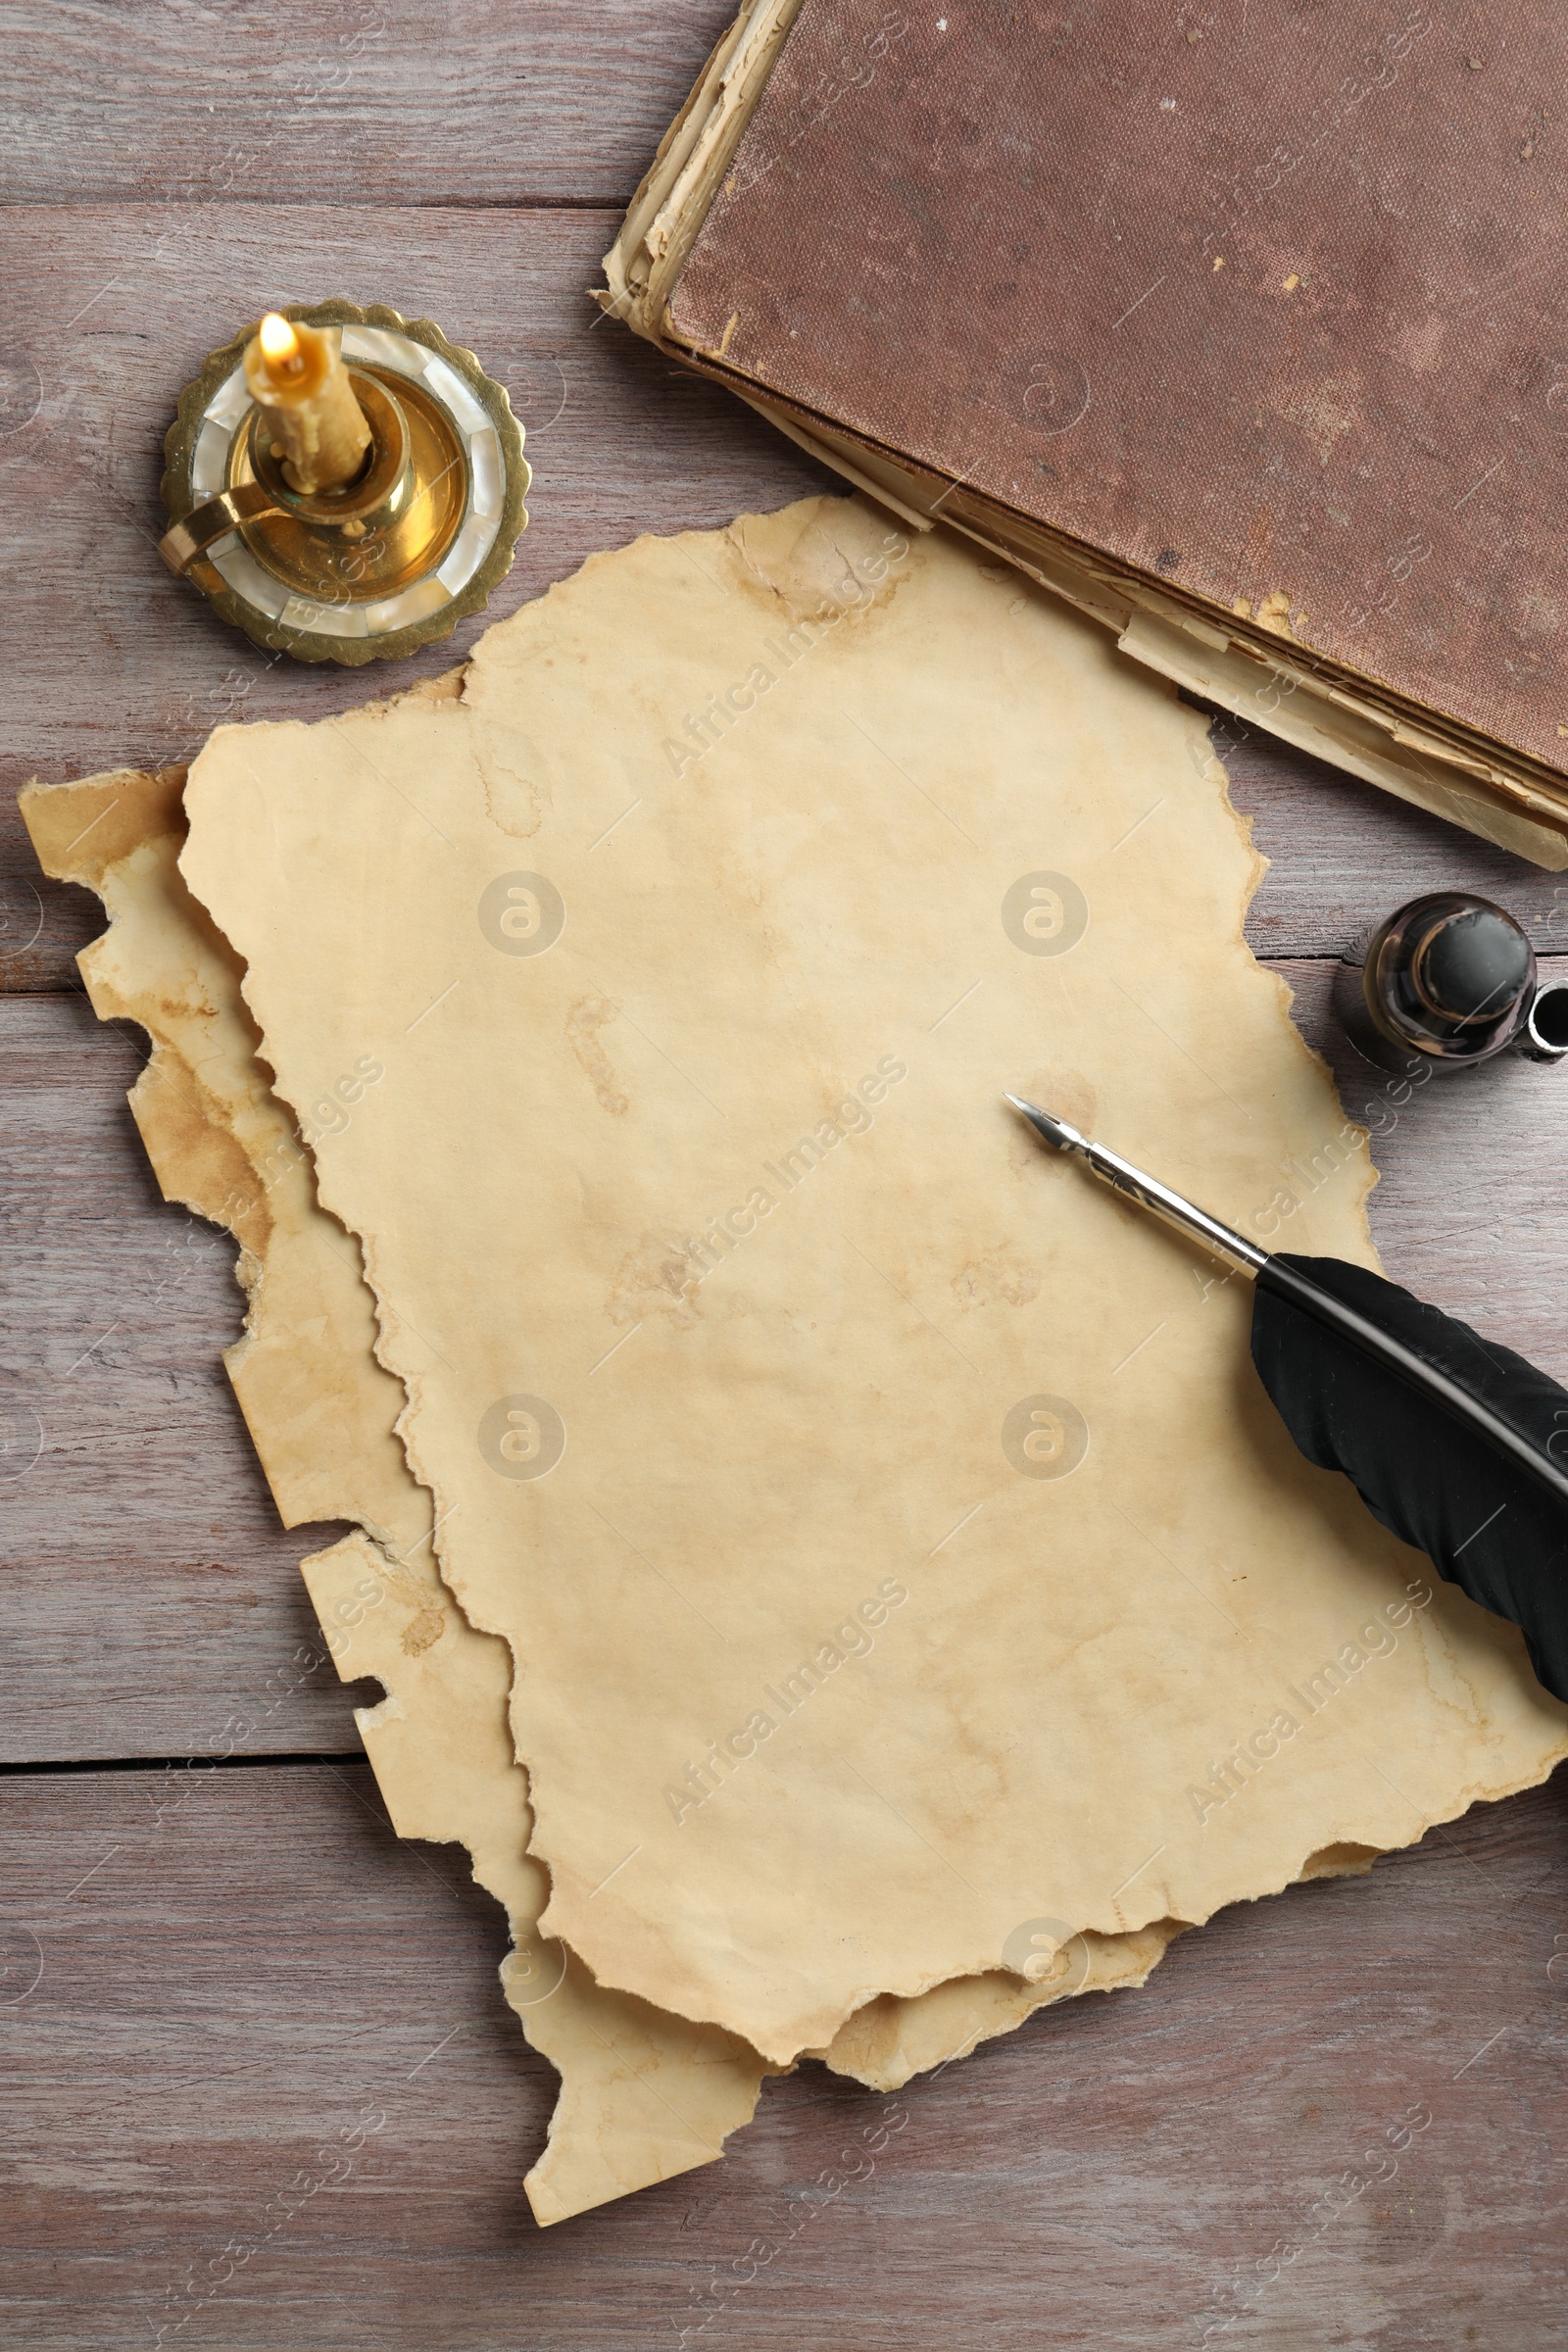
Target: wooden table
[[237, 1958]]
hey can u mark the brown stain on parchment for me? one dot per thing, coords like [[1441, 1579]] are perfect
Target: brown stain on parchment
[[187, 1134], [995, 1279], [81, 834], [836, 567], [515, 803], [584, 1021], [423, 1630], [653, 1279]]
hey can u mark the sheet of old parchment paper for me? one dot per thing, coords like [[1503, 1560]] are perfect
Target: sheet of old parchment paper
[[894, 1547], [643, 2094]]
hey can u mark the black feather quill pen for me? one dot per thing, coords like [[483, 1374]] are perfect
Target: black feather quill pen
[[1451, 1442]]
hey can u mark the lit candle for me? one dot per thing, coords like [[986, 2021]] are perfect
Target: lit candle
[[296, 376]]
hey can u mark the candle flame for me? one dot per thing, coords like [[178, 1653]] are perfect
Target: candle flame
[[280, 345]]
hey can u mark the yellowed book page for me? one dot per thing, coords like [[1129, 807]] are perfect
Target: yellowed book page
[[891, 1536]]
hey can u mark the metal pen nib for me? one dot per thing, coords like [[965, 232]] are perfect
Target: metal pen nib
[[1295, 1281], [1056, 1131], [1221, 1240]]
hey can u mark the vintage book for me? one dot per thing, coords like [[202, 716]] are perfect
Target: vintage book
[[1236, 326]]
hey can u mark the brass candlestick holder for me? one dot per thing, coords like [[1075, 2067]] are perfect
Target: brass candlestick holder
[[395, 558]]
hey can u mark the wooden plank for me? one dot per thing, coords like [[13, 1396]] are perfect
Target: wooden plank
[[151, 1595], [1469, 1211], [368, 102], [237, 1962], [112, 662], [118, 657], [153, 1603], [1344, 854], [242, 1968]]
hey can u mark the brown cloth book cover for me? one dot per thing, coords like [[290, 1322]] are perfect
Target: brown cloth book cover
[[1242, 325]]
